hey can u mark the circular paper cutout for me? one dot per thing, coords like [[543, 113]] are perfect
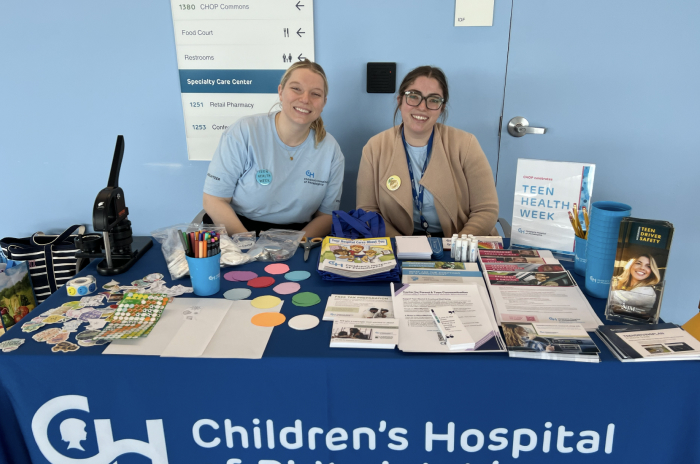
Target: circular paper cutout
[[268, 319], [260, 282], [303, 322], [240, 276], [296, 276], [287, 288], [306, 299], [237, 294], [265, 302], [276, 268]]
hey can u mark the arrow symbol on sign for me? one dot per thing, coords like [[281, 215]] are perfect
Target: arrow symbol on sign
[[298, 5], [301, 57], [300, 32]]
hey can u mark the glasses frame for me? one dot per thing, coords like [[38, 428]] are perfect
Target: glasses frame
[[415, 92]]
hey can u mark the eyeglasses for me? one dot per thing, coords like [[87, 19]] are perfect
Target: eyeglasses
[[432, 102]]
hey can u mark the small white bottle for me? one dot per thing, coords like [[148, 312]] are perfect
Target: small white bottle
[[465, 250], [470, 245], [453, 244], [474, 251]]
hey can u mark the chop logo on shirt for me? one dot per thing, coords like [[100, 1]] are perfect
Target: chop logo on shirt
[[311, 179], [73, 432]]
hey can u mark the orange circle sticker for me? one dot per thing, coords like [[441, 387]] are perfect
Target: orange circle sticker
[[268, 319]]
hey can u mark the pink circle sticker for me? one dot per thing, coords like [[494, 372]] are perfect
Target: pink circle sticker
[[287, 288], [277, 268]]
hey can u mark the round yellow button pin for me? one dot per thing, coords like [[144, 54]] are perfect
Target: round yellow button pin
[[393, 183]]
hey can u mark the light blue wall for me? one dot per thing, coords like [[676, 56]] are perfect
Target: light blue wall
[[77, 73]]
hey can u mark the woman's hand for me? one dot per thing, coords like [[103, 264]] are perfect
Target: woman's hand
[[220, 211]]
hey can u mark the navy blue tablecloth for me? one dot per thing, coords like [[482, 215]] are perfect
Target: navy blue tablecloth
[[307, 403]]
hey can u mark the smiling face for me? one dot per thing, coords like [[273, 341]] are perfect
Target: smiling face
[[418, 121], [640, 269], [302, 97]]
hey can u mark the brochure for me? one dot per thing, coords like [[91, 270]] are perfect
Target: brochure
[[514, 303], [517, 256], [419, 333], [364, 333], [637, 284], [557, 342], [545, 279], [356, 258], [523, 267], [432, 272], [453, 331], [545, 192], [654, 342], [358, 307]]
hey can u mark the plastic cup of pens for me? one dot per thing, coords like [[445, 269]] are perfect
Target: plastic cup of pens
[[202, 251]]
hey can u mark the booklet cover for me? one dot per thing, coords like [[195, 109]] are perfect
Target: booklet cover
[[365, 333], [556, 341], [517, 256], [637, 284], [439, 272], [545, 192], [654, 342], [356, 258]]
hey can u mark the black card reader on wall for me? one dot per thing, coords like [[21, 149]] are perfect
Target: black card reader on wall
[[381, 77]]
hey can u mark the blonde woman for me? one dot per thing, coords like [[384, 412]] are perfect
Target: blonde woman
[[633, 290], [279, 170]]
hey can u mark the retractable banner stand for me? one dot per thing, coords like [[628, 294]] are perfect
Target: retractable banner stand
[[545, 193], [231, 57]]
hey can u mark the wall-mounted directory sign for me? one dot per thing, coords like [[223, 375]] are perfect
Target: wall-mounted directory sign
[[231, 57]]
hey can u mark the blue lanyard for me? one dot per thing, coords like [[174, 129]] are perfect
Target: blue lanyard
[[418, 196]]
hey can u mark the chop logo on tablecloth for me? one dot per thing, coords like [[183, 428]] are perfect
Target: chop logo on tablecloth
[[73, 432]]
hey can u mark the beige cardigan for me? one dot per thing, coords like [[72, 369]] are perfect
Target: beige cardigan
[[458, 176]]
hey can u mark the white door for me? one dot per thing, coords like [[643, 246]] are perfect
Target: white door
[[615, 84]]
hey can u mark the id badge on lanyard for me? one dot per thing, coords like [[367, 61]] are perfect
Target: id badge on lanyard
[[418, 195]]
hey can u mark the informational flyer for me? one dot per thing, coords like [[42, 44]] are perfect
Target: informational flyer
[[231, 57], [543, 304], [545, 193], [418, 331]]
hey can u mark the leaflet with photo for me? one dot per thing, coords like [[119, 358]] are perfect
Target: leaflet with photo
[[552, 341], [637, 285], [419, 333], [358, 307], [523, 267], [364, 333], [533, 279], [654, 342]]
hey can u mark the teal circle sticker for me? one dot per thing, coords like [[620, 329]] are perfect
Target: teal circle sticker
[[264, 177]]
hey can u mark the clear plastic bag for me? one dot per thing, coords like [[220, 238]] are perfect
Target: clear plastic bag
[[276, 245], [174, 251], [244, 240]]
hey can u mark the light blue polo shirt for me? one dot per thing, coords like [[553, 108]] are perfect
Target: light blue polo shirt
[[418, 155], [312, 181]]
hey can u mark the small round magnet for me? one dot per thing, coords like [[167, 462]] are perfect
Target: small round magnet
[[393, 183], [264, 177]]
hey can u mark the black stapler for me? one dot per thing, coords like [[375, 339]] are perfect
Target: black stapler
[[119, 248]]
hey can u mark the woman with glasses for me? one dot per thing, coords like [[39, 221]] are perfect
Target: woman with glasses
[[423, 177]]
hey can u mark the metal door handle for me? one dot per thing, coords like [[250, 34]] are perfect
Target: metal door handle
[[518, 126]]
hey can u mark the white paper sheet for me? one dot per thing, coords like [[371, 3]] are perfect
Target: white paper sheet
[[543, 304], [418, 332], [237, 337], [194, 335]]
